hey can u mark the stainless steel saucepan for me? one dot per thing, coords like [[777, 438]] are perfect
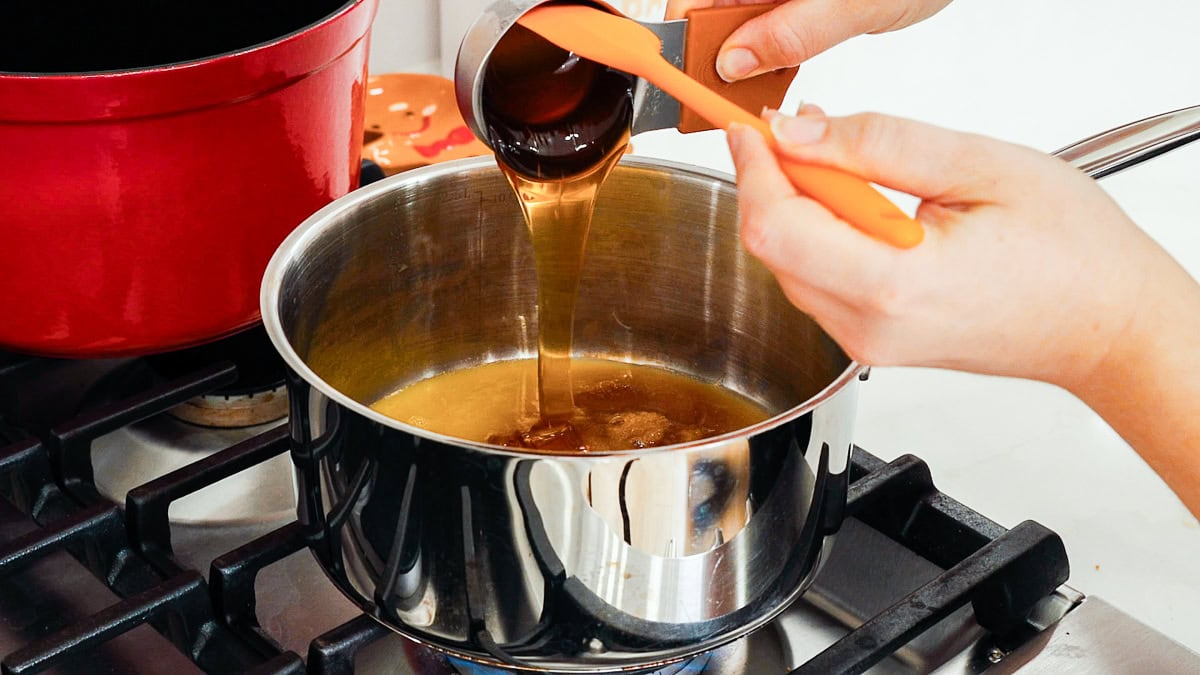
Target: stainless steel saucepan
[[567, 563]]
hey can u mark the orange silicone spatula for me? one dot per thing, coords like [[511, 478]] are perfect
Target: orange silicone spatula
[[624, 44]]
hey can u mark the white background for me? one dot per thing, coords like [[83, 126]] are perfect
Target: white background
[[1045, 73]]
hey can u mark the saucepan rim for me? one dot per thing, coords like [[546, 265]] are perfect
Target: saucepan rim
[[302, 237]]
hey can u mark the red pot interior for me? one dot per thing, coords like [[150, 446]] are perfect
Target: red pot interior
[[82, 36]]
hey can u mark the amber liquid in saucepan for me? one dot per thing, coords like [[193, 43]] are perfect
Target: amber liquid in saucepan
[[617, 406], [559, 124]]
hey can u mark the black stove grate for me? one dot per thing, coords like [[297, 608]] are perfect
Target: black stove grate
[[1001, 573]]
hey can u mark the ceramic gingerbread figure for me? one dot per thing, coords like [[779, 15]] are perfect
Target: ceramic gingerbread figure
[[412, 120]]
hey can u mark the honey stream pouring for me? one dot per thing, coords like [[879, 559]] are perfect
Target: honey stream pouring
[[624, 44]]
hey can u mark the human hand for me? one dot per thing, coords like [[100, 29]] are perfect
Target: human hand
[[1028, 269], [797, 30]]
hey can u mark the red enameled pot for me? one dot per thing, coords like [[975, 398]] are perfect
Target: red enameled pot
[[153, 156]]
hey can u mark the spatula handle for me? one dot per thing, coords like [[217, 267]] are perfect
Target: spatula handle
[[855, 201], [849, 197]]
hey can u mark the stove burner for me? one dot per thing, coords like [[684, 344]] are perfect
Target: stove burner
[[227, 411], [730, 659], [700, 665], [197, 427], [140, 452], [260, 367]]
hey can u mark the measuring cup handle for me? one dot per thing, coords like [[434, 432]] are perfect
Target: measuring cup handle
[[707, 30]]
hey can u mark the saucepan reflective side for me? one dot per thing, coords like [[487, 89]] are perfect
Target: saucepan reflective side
[[592, 563]]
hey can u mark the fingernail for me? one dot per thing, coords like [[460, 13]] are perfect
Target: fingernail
[[810, 109], [736, 64], [735, 135], [803, 130]]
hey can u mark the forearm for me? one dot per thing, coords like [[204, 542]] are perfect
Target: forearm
[[1148, 387]]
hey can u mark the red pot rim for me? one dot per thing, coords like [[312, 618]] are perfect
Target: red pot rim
[[187, 85]]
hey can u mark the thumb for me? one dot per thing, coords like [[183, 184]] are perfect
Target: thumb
[[947, 167], [794, 236], [788, 35]]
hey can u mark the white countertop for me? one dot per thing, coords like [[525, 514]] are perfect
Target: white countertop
[[1044, 74]]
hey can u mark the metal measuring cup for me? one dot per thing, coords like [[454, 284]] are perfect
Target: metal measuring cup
[[690, 44]]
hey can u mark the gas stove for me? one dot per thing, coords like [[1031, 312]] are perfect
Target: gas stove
[[134, 538]]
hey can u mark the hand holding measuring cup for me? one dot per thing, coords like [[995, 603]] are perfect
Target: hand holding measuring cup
[[795, 31]]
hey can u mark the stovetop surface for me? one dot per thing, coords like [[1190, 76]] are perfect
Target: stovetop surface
[[80, 577]]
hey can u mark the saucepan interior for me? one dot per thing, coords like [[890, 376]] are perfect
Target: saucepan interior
[[435, 272]]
